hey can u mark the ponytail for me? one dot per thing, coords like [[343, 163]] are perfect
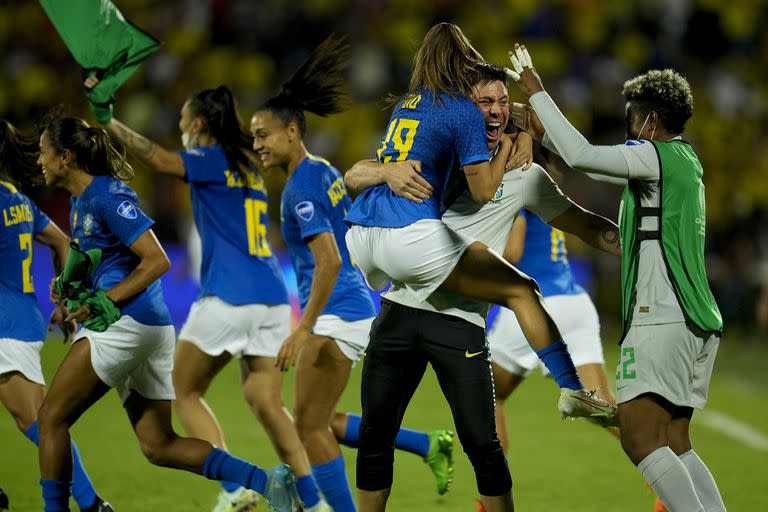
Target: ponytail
[[315, 87], [18, 157], [91, 147], [218, 110]]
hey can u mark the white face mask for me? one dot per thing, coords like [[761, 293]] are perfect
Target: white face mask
[[642, 127], [188, 141]]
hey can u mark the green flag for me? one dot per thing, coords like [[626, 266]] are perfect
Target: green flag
[[103, 43]]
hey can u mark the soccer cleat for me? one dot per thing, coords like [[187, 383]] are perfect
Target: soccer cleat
[[585, 404], [99, 505], [320, 506], [659, 507], [280, 492], [439, 458], [240, 500], [479, 507]]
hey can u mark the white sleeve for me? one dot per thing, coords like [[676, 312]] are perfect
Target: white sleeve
[[637, 161], [541, 195], [613, 180]]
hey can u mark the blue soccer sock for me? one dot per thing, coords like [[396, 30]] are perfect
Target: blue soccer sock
[[55, 495], [558, 361], [332, 480], [220, 465], [308, 491], [407, 440], [229, 486], [82, 488]]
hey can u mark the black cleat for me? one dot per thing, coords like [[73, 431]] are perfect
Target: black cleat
[[3, 501], [99, 506]]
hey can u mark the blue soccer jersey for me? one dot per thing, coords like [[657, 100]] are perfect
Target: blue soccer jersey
[[545, 258], [107, 216], [231, 217], [315, 201], [20, 317], [443, 137]]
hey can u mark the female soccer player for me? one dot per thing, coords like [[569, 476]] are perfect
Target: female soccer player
[[245, 315], [454, 324], [337, 309], [22, 329], [135, 353], [672, 325]]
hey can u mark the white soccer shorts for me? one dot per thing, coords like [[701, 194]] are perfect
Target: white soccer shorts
[[130, 356], [668, 360], [575, 317], [23, 357], [351, 336], [215, 327], [420, 255]]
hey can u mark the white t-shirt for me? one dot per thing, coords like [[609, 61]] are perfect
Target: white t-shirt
[[490, 224], [656, 301]]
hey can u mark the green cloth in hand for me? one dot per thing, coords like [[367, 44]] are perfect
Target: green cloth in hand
[[103, 42]]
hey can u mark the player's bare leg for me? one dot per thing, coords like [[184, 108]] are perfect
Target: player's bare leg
[[21, 397], [644, 427], [482, 274], [262, 382], [74, 389], [193, 372], [498, 503], [373, 501]]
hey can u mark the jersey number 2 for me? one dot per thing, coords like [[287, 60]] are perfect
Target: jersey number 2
[[400, 135], [25, 243], [257, 232]]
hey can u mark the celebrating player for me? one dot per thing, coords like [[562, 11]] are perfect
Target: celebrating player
[[135, 353], [672, 325], [22, 328], [247, 316], [490, 225]]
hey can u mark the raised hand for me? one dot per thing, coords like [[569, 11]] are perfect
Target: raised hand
[[523, 72], [524, 117]]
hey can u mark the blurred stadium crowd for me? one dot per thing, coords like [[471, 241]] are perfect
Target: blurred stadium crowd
[[584, 50]]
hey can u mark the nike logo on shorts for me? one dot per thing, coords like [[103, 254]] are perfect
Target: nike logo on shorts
[[468, 355]]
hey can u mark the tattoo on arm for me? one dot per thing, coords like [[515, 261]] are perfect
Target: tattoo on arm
[[138, 144], [610, 236]]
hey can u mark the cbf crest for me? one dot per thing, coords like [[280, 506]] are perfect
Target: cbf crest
[[499, 193], [87, 224]]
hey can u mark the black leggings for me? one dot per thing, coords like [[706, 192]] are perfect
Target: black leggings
[[403, 341]]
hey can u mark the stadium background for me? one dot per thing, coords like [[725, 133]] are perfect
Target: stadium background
[[583, 49]]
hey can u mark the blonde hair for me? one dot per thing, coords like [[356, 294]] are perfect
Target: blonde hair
[[445, 62], [664, 91]]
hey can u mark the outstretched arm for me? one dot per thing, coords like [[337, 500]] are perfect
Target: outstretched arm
[[155, 156], [593, 229]]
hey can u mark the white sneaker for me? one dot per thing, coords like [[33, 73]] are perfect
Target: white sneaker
[[320, 506], [585, 404], [241, 500]]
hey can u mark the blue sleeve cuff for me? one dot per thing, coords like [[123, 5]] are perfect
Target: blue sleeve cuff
[[474, 159]]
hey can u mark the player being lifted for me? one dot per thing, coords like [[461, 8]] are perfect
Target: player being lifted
[[393, 238], [134, 352], [22, 328], [672, 325]]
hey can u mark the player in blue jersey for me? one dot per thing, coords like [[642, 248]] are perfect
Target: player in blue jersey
[[337, 309], [392, 238], [245, 315], [135, 353], [22, 328]]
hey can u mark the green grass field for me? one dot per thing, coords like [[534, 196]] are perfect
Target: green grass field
[[555, 465]]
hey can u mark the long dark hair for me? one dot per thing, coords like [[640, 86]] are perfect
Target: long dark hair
[[218, 109], [18, 157], [91, 147], [315, 87], [445, 62]]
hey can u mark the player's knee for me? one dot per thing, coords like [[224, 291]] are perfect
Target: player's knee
[[265, 405], [375, 457], [50, 415], [491, 469], [308, 426], [638, 443], [157, 450]]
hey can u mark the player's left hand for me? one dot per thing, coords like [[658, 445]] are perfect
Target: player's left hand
[[82, 314], [523, 73], [291, 348], [522, 152], [58, 317]]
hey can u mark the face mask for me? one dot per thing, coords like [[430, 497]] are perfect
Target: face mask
[[187, 141], [636, 137]]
